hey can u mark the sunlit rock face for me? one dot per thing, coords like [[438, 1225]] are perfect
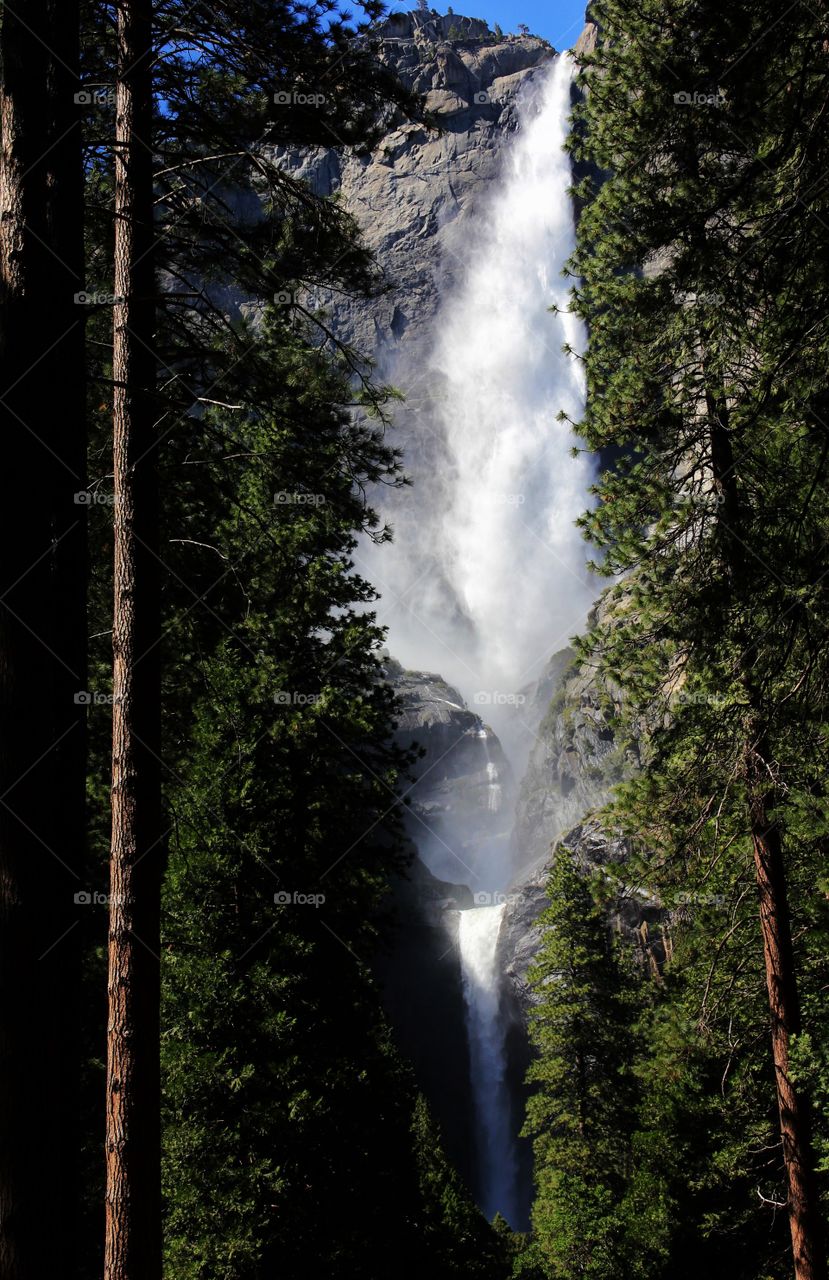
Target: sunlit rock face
[[413, 192], [470, 223]]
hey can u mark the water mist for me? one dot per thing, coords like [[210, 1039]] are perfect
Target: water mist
[[490, 575]]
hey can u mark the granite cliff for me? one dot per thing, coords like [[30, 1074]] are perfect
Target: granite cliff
[[413, 192]]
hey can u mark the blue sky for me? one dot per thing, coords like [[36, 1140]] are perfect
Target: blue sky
[[559, 21]]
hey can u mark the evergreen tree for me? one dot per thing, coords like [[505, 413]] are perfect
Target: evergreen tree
[[217, 76], [704, 1146], [287, 1105], [581, 1111], [695, 255], [133, 1156]]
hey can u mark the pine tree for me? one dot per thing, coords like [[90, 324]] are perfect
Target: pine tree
[[703, 342], [287, 827], [133, 1221], [704, 1146], [177, 219], [581, 1112]]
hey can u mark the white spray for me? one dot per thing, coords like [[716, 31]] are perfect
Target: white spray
[[490, 575], [509, 548], [487, 575], [497, 1169]]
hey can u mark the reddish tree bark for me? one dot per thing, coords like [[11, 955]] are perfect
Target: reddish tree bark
[[808, 1248], [133, 1229], [784, 1010]]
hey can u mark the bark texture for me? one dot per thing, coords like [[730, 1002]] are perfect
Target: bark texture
[[133, 1244], [784, 1011]]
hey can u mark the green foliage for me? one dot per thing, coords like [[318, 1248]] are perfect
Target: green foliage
[[702, 273], [580, 1114], [286, 1104], [294, 1139], [454, 1230]]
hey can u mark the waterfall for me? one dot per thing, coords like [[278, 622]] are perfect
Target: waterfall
[[479, 929], [489, 572], [493, 787], [488, 575], [510, 552]]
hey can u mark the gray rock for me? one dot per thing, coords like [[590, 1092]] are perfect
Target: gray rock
[[574, 766], [412, 193], [461, 796]]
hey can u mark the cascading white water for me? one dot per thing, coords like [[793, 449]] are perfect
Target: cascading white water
[[487, 575], [479, 930], [489, 571], [493, 799], [510, 550]]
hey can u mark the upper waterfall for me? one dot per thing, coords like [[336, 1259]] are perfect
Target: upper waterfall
[[487, 575], [506, 538]]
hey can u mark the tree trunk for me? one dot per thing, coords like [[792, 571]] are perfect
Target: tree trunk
[[42, 421], [781, 980], [784, 1009], [133, 1230]]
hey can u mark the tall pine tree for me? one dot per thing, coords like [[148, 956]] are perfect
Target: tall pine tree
[[695, 255]]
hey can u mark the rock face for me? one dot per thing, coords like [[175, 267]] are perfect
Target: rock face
[[456, 821], [456, 828], [574, 765], [411, 195], [462, 797]]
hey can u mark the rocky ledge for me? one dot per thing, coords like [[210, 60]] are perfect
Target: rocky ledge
[[413, 191]]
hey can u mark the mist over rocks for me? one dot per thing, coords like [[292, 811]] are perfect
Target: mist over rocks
[[459, 834], [470, 225], [461, 798]]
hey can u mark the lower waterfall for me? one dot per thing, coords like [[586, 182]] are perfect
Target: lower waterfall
[[478, 942]]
